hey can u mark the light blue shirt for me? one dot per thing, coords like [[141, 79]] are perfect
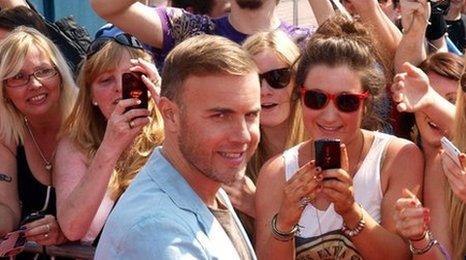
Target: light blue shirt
[[161, 217]]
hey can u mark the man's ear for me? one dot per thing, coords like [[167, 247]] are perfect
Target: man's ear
[[170, 114]]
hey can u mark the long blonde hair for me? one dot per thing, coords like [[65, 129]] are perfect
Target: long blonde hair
[[286, 51], [456, 207], [86, 124], [13, 50]]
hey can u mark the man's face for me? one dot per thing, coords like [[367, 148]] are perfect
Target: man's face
[[219, 124], [250, 4]]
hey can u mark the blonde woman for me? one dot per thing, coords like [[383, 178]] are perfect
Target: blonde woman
[[436, 229], [36, 93], [281, 124], [104, 147]]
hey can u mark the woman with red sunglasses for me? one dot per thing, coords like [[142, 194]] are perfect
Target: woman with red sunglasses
[[305, 212]]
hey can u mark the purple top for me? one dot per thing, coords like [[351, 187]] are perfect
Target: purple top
[[178, 25]]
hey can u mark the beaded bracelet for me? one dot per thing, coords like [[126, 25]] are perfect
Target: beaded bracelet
[[355, 231], [282, 236]]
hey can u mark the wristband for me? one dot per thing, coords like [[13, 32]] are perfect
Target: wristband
[[283, 236], [359, 226]]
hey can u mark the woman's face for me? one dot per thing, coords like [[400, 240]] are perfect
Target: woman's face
[[106, 87], [429, 131], [275, 102], [39, 97], [329, 122]]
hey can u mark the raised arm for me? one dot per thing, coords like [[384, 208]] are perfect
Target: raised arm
[[10, 211], [386, 34], [414, 17], [12, 3], [132, 17], [81, 184], [412, 91], [322, 10], [402, 168]]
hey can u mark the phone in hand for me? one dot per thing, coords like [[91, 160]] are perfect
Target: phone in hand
[[451, 150], [327, 154], [12, 243], [134, 87]]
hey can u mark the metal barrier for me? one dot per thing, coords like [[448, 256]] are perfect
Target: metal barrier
[[71, 250]]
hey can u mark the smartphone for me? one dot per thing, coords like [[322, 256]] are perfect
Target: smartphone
[[32, 217], [327, 154], [451, 150], [134, 87]]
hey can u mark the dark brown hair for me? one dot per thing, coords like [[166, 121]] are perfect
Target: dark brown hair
[[11, 18], [342, 42]]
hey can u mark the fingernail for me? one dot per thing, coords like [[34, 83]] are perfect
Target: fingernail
[[412, 203], [462, 156], [319, 177], [318, 169], [312, 163]]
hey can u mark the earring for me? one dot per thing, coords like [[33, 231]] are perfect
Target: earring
[[95, 103]]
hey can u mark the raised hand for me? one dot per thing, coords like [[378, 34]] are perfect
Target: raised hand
[[339, 188], [456, 174], [151, 76], [411, 89], [123, 127], [300, 190], [410, 217], [414, 12]]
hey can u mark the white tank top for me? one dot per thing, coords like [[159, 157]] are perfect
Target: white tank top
[[314, 239]]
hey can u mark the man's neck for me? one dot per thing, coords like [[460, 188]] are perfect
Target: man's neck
[[204, 187], [251, 21]]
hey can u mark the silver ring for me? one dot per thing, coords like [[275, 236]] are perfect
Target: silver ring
[[131, 124], [304, 201]]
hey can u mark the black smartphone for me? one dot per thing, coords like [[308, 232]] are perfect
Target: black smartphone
[[134, 87], [327, 154], [32, 217]]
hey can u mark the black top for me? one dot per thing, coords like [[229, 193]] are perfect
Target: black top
[[32, 193]]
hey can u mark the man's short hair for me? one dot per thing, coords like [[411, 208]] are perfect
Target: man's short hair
[[198, 6], [203, 55]]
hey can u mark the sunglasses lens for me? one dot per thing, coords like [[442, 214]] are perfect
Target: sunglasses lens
[[96, 45], [314, 99], [348, 102], [279, 78]]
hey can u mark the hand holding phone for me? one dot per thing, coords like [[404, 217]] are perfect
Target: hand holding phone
[[451, 150], [134, 87], [327, 154]]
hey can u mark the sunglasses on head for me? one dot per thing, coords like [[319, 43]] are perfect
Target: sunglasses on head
[[124, 39], [344, 102], [278, 78]]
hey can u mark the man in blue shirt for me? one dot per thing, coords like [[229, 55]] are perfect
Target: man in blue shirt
[[175, 209]]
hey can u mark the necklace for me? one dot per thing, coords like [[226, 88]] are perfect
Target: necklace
[[358, 162], [47, 164]]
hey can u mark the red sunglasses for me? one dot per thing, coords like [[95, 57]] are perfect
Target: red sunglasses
[[344, 102]]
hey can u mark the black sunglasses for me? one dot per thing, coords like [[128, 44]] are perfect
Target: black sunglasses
[[278, 78], [344, 102], [123, 39]]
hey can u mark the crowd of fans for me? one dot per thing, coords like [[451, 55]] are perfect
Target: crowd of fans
[[223, 162]]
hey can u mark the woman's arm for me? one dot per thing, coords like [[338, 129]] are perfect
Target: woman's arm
[[274, 195], [385, 33], [322, 10], [10, 211], [414, 17], [81, 185]]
